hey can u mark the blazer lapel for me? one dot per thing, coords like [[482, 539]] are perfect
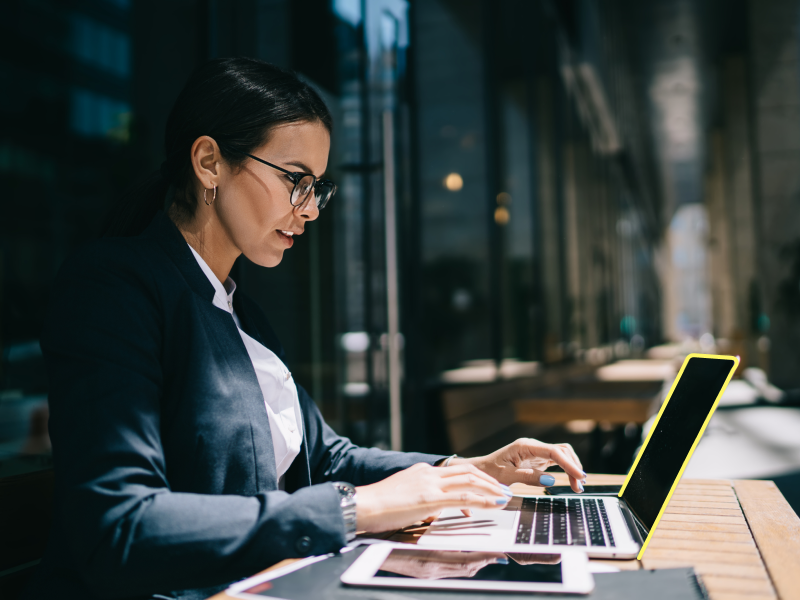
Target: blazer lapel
[[223, 332]]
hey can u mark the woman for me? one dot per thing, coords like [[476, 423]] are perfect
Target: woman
[[185, 455]]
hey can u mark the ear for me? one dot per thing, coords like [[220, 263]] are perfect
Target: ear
[[206, 159]]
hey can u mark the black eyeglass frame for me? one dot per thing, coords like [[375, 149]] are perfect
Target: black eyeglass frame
[[296, 177]]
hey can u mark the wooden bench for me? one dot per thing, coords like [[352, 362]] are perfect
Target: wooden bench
[[474, 412]]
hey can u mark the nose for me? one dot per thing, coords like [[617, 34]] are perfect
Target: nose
[[308, 210]]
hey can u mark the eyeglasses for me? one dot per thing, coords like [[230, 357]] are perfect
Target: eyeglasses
[[304, 185]]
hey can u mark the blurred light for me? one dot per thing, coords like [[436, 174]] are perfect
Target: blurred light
[[501, 215], [707, 342], [356, 389], [580, 426], [461, 300], [355, 341], [622, 349], [627, 325], [637, 370], [348, 10], [503, 198], [453, 182]]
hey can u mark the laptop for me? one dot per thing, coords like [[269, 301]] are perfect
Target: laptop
[[618, 526]]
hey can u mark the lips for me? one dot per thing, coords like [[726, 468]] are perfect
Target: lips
[[286, 236]]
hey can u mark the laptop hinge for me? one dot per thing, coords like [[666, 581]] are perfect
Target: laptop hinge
[[638, 531]]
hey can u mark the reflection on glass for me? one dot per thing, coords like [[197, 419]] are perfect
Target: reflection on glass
[[482, 566]]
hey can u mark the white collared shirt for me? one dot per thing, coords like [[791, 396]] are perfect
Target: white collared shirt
[[275, 380]]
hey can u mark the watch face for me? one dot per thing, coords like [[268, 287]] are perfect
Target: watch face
[[346, 490]]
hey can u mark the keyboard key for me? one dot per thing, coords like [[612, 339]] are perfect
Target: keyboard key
[[576, 523], [542, 525], [606, 524], [593, 523], [525, 526], [559, 521]]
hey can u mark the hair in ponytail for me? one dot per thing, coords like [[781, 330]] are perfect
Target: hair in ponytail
[[236, 101]]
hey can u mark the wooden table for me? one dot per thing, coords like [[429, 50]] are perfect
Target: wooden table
[[741, 537]]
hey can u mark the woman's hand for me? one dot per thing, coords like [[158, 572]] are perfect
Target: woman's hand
[[525, 461], [422, 491]]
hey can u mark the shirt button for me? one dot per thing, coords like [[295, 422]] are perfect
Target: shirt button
[[288, 375], [230, 305], [303, 545]]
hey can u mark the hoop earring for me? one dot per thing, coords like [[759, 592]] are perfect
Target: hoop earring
[[212, 199]]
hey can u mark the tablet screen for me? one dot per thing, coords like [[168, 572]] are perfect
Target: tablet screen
[[475, 566]]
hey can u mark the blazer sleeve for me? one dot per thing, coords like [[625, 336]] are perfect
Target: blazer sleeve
[[128, 533], [332, 457]]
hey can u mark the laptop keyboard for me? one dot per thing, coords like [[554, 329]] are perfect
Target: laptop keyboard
[[564, 521]]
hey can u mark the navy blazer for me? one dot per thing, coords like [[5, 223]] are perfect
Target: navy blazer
[[164, 466]]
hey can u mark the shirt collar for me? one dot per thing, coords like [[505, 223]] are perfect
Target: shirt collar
[[223, 294]]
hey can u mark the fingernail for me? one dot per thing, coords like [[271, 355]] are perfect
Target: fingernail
[[580, 485], [507, 492], [501, 501], [584, 474], [502, 561], [547, 480], [505, 487]]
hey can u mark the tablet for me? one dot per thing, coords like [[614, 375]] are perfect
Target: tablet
[[404, 566]]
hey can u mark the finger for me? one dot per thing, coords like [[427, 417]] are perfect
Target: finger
[[534, 477], [571, 451], [563, 459], [466, 512], [466, 468], [468, 482], [575, 484], [431, 519], [464, 500]]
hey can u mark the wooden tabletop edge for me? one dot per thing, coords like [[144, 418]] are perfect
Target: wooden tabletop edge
[[776, 530]]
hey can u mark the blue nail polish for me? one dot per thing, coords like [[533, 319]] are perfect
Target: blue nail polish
[[501, 501], [547, 480], [508, 492], [502, 561], [504, 486], [580, 485], [584, 474]]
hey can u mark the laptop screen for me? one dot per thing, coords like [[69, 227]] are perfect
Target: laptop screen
[[676, 430]]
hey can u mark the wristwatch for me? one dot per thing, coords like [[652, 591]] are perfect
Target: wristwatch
[[347, 500]]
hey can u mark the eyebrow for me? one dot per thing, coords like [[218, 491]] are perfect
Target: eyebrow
[[303, 166]]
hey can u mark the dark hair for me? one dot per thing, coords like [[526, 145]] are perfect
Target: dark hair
[[236, 101]]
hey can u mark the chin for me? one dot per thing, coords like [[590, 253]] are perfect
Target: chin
[[263, 259]]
